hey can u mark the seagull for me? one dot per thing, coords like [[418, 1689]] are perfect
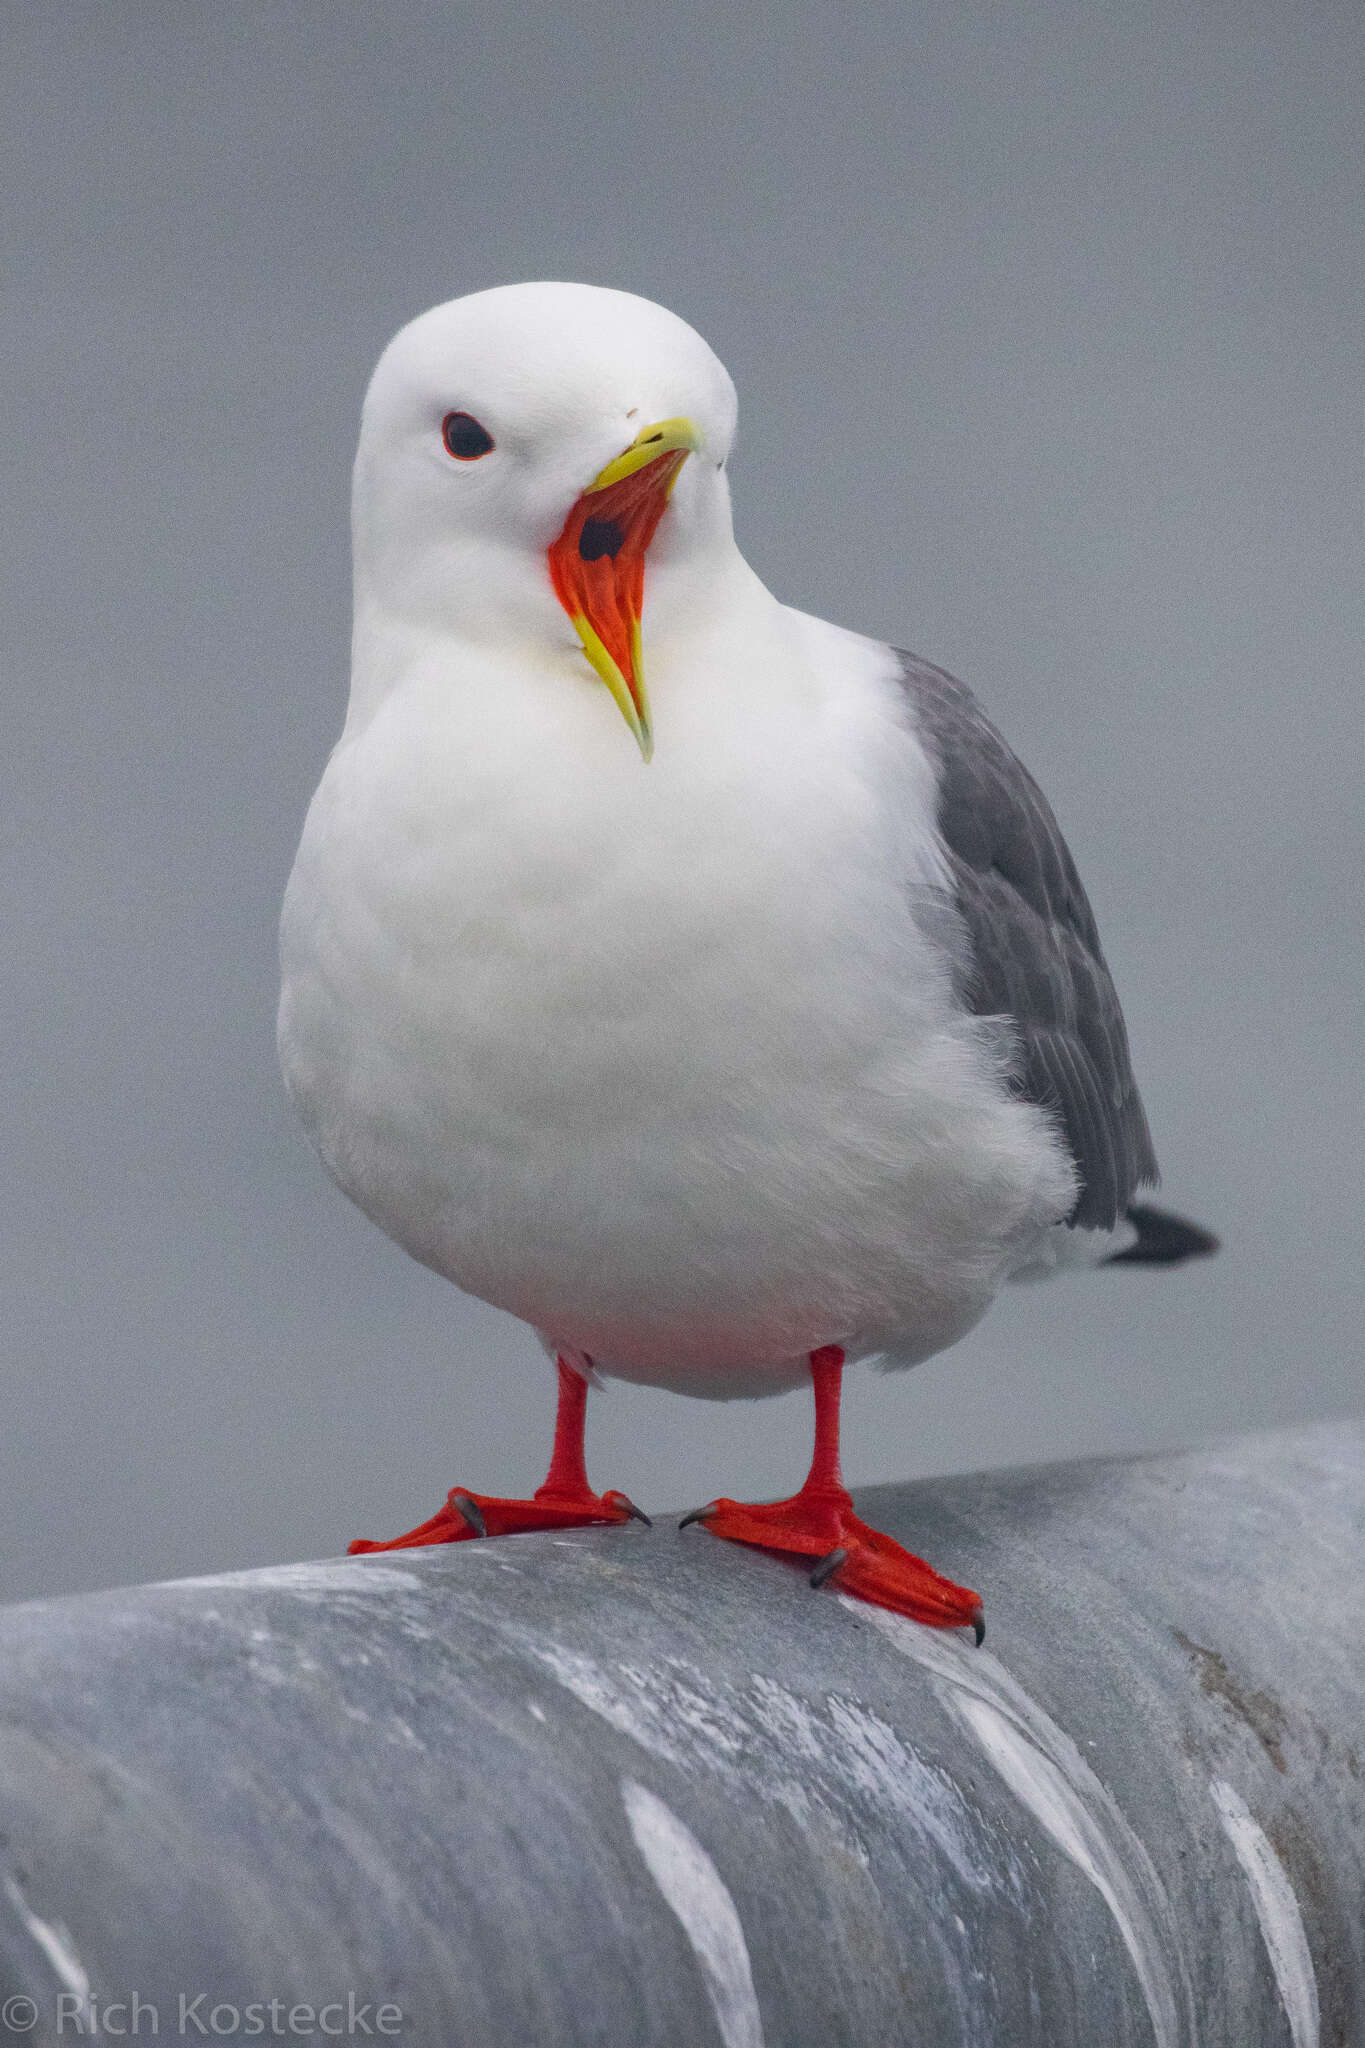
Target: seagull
[[701, 982]]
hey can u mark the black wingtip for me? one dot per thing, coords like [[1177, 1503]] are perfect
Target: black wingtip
[[1164, 1239]]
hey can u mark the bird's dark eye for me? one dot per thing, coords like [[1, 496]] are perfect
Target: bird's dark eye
[[464, 437]]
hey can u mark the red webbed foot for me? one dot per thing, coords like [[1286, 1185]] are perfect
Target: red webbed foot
[[486, 1514], [819, 1522], [565, 1501], [848, 1553]]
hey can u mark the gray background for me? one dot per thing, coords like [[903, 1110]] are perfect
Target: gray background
[[1046, 326]]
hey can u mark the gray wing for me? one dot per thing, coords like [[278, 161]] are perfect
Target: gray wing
[[1034, 954]]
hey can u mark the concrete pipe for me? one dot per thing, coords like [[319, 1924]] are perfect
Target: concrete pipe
[[630, 1787]]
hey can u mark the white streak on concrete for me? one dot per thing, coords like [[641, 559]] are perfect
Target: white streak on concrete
[[624, 1709], [1081, 1833], [1277, 1909], [687, 1701], [1045, 1770], [897, 1781], [55, 1942], [699, 1896], [331, 1576], [833, 1762]]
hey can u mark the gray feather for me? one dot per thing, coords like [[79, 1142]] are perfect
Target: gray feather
[[1033, 954]]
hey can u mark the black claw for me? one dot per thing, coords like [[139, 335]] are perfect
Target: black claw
[[471, 1511], [828, 1566], [636, 1514], [696, 1514], [979, 1627]]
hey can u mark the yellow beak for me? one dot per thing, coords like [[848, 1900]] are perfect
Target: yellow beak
[[597, 564], [665, 437]]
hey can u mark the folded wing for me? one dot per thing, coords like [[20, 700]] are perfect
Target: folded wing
[[1032, 954]]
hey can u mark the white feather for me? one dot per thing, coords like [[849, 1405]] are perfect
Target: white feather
[[655, 1057]]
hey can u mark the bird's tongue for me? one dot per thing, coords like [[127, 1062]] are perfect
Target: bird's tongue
[[597, 566]]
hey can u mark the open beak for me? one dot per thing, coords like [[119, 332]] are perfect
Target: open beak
[[597, 564]]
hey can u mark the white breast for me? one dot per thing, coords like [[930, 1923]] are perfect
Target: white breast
[[657, 1057]]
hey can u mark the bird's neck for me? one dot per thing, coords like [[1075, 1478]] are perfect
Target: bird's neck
[[690, 602]]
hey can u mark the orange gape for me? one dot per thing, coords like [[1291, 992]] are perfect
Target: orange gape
[[597, 564]]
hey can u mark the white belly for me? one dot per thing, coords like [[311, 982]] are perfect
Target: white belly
[[657, 1058]]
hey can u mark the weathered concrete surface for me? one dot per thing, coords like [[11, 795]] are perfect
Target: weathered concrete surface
[[628, 1787]]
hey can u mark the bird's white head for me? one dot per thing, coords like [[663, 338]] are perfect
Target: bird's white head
[[528, 455]]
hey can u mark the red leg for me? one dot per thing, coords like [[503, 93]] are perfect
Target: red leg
[[819, 1522], [565, 1501]]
